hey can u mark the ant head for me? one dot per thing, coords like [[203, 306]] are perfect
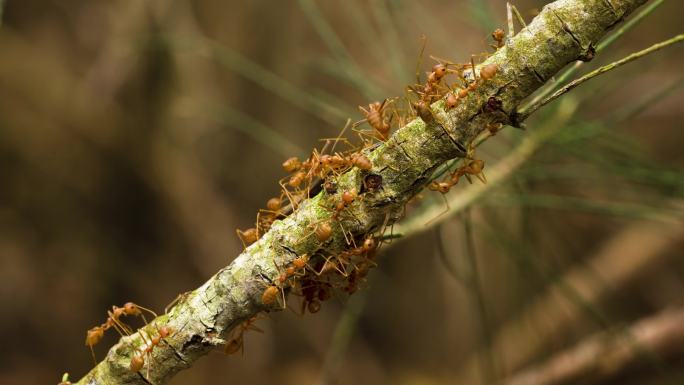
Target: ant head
[[369, 244], [348, 196], [451, 100], [439, 70], [129, 308], [164, 331], [300, 262]]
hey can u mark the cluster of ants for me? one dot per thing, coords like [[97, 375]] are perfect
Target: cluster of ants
[[315, 277]]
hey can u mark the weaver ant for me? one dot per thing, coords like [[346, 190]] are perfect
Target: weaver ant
[[248, 236], [95, 334], [472, 167], [270, 294], [376, 119], [424, 111], [292, 164], [138, 360], [498, 35]]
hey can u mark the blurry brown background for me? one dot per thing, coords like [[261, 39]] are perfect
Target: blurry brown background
[[135, 136]]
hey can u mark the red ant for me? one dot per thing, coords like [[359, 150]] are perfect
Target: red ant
[[292, 164], [138, 360], [376, 119], [347, 198], [270, 294], [95, 334], [248, 236], [498, 35], [472, 167], [424, 111], [488, 71]]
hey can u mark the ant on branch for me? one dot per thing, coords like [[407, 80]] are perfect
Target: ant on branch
[[498, 35], [96, 333], [270, 294], [248, 236], [471, 167], [375, 116], [138, 360]]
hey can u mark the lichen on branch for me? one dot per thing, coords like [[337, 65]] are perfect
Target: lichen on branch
[[565, 31]]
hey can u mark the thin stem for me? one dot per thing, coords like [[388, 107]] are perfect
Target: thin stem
[[509, 17], [390, 34], [274, 83], [519, 16], [446, 261], [488, 366], [344, 332], [259, 131], [503, 170], [349, 67], [534, 107], [628, 25]]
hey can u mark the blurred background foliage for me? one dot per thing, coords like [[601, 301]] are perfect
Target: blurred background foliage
[[135, 136]]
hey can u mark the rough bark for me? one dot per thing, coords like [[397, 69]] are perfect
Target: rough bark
[[565, 31]]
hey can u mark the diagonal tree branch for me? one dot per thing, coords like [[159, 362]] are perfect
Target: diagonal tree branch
[[601, 356], [565, 31]]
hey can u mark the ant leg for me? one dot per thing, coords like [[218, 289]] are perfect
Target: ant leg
[[344, 232], [420, 58], [340, 136], [282, 292], [344, 272], [120, 327], [239, 235], [92, 352], [293, 202], [147, 310]]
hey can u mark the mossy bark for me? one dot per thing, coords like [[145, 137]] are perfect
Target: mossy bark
[[565, 31]]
